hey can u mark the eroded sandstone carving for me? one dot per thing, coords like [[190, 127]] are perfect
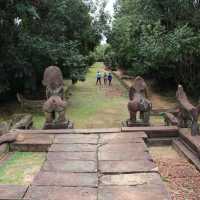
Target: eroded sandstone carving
[[53, 81], [188, 114], [138, 103], [55, 106]]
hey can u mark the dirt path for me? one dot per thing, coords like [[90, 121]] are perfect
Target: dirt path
[[92, 106]]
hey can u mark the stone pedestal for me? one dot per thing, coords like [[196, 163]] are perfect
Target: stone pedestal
[[59, 125], [129, 123]]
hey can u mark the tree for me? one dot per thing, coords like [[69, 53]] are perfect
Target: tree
[[43, 33], [160, 39]]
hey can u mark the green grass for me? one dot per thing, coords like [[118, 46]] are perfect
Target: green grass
[[92, 106], [38, 120], [21, 168]]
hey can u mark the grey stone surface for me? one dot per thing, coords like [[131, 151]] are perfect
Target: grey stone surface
[[122, 138], [61, 193], [129, 156], [76, 139], [12, 192], [135, 179], [73, 147], [132, 193], [72, 156], [130, 147], [66, 179], [70, 166], [127, 166]]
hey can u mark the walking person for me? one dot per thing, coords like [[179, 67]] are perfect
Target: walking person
[[110, 78], [105, 78], [98, 78]]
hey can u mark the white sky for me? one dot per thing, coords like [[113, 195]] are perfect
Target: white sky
[[110, 9], [109, 6]]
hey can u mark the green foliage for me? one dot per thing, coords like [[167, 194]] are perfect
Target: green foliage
[[160, 39], [35, 34], [100, 51]]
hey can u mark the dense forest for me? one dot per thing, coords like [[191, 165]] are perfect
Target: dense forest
[[35, 34], [158, 39]]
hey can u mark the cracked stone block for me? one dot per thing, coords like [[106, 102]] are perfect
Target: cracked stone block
[[132, 193], [131, 147], [123, 137], [127, 166], [73, 147], [70, 166], [117, 156], [60, 193], [72, 156], [131, 179], [12, 192], [76, 139], [66, 179]]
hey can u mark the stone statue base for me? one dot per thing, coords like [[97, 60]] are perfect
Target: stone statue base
[[59, 125], [129, 123]]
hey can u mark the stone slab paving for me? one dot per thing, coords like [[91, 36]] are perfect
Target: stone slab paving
[[129, 147], [76, 139], [122, 138], [123, 155], [70, 166], [86, 156], [60, 193], [66, 179], [73, 147], [12, 192], [108, 165], [136, 166], [132, 193], [33, 142]]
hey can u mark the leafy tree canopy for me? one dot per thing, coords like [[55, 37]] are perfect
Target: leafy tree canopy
[[160, 39], [35, 34]]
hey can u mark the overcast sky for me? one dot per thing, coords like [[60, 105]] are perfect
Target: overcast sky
[[109, 6], [110, 9]]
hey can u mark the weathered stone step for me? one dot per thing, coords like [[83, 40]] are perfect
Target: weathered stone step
[[33, 143], [192, 141], [137, 137], [160, 141], [76, 139], [181, 147], [69, 131], [155, 131]]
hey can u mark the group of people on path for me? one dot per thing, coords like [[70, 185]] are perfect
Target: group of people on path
[[107, 78]]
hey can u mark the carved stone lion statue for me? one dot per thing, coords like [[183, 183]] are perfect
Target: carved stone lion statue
[[54, 109], [53, 81], [138, 102]]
